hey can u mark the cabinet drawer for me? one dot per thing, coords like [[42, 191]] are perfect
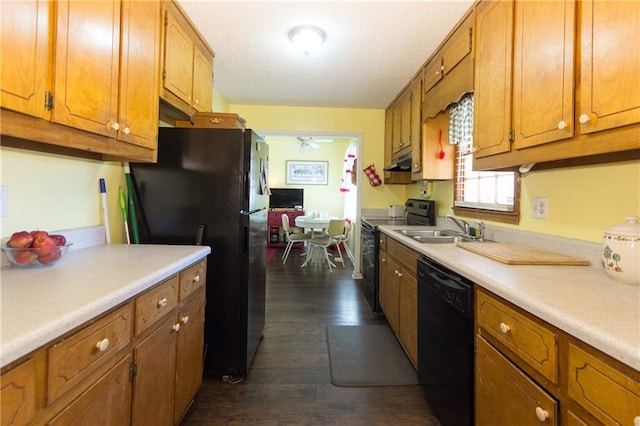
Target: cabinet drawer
[[608, 394], [383, 242], [155, 303], [507, 396], [18, 395], [78, 356], [192, 279], [533, 343], [407, 257]]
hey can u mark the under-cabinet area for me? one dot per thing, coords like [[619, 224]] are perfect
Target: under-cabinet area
[[545, 339], [105, 370]]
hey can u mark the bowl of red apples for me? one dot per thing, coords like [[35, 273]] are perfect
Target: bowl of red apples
[[35, 248]]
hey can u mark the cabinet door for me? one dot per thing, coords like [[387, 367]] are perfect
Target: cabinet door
[[499, 381], [492, 78], [416, 124], [139, 73], [202, 82], [393, 294], [543, 100], [86, 66], [106, 402], [153, 387], [409, 315], [433, 73], [25, 56], [178, 60], [388, 135], [18, 395], [189, 355], [405, 126], [610, 65], [382, 281], [396, 140]]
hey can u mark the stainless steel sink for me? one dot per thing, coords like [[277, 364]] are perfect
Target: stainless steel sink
[[428, 233], [436, 236]]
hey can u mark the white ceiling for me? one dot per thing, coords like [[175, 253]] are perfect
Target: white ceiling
[[373, 48]]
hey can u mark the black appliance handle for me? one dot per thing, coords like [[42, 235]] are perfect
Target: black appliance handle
[[245, 240], [248, 212], [446, 280], [202, 229]]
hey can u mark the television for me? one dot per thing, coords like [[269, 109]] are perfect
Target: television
[[286, 198]]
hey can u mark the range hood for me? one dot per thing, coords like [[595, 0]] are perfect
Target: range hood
[[400, 164]]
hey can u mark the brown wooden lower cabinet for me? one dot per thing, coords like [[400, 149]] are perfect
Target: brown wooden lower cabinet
[[399, 294], [189, 362], [140, 363], [520, 359], [97, 403], [155, 360], [505, 395]]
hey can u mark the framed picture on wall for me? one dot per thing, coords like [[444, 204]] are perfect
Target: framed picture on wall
[[307, 172]]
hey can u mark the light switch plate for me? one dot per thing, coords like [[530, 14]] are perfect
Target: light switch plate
[[539, 207], [3, 200]]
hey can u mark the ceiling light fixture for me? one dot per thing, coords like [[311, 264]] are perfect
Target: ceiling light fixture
[[307, 38]]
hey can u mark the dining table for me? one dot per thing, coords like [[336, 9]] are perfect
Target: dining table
[[317, 224]]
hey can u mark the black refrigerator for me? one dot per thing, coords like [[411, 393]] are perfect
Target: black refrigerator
[[209, 187]]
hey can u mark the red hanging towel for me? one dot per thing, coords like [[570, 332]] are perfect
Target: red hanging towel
[[374, 177]]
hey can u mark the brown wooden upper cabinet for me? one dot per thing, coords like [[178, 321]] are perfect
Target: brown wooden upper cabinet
[[107, 85], [530, 105], [187, 72], [454, 50]]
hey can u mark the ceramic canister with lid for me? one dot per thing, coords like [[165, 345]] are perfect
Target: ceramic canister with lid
[[620, 253]]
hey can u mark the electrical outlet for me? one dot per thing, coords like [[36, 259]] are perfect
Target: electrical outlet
[[539, 207]]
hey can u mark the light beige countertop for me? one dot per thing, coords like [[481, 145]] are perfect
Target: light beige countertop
[[40, 304], [580, 300]]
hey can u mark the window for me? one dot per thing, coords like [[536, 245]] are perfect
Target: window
[[485, 195]]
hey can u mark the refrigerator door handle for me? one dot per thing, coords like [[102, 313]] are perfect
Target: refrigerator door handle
[[248, 212], [245, 240]]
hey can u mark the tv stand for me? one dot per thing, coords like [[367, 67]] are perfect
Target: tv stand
[[276, 236]]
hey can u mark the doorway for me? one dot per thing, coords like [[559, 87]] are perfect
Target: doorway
[[318, 147]]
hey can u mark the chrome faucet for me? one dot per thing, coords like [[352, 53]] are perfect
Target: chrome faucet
[[460, 223], [481, 226]]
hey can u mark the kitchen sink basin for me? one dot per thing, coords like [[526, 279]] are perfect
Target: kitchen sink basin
[[436, 236], [427, 233]]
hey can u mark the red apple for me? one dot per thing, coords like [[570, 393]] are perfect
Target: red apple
[[24, 257], [53, 255], [39, 234], [44, 246], [20, 239], [59, 239]]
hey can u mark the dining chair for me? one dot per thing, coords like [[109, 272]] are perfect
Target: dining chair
[[293, 235], [336, 226], [341, 239]]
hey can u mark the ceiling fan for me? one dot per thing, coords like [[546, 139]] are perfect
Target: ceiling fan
[[308, 142]]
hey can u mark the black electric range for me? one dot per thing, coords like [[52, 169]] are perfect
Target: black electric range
[[418, 212]]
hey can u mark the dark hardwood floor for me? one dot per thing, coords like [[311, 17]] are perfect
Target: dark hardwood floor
[[288, 383]]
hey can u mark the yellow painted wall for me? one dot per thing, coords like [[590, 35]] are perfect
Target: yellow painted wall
[[582, 201], [53, 192], [345, 121], [317, 198]]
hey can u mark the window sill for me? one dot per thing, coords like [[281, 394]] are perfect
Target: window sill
[[495, 216]]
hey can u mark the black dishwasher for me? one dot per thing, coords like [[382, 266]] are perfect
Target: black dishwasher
[[445, 341]]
